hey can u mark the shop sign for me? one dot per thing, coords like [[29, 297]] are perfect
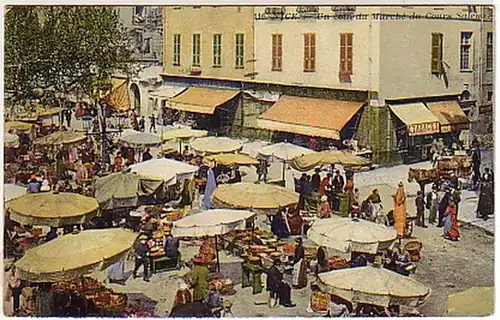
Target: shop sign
[[423, 129], [343, 9], [308, 11], [275, 12]]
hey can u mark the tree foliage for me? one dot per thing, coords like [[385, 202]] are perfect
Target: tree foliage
[[62, 49]]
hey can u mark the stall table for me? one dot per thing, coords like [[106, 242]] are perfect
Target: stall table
[[164, 263]]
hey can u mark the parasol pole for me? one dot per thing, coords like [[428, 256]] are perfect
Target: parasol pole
[[284, 172], [217, 254], [180, 146]]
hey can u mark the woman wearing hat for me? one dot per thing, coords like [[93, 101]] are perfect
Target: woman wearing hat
[[183, 295], [400, 210], [326, 211]]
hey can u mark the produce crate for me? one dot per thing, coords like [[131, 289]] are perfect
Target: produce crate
[[320, 301]]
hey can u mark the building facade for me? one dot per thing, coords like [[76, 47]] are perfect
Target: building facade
[[144, 27], [209, 41]]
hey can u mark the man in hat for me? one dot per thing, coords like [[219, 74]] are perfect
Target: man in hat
[[142, 257], [277, 288], [420, 205], [146, 155], [198, 278], [432, 204]]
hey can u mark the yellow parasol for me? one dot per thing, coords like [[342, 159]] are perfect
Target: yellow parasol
[[256, 196], [18, 126], [53, 209], [10, 140], [61, 137], [183, 133], [310, 161], [74, 255], [48, 113], [474, 302], [231, 159], [214, 145], [373, 285]]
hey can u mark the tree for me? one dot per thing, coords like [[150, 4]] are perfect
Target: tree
[[62, 49]]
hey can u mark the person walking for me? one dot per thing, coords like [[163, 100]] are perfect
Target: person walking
[[68, 115], [420, 205], [198, 279], [142, 258], [152, 125], [142, 124], [432, 204], [400, 210], [338, 185]]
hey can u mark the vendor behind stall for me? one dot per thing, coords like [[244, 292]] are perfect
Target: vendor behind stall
[[299, 268], [198, 279]]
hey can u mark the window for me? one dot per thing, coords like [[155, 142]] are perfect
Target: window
[[196, 49], [309, 52], [490, 96], [147, 45], [240, 51], [277, 55], [345, 56], [465, 44], [139, 10], [437, 53], [489, 51], [217, 46], [177, 50]]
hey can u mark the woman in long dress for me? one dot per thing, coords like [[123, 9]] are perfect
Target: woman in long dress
[[451, 223], [299, 274], [400, 210]]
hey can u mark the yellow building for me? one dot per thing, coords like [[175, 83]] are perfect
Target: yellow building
[[209, 41]]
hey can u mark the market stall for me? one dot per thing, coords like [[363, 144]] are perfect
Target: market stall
[[284, 151], [53, 209], [373, 285], [214, 145], [60, 138], [138, 139], [170, 171], [182, 135], [330, 157], [254, 196], [10, 140]]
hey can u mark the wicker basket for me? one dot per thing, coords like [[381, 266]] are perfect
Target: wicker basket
[[227, 288], [117, 308], [320, 301]]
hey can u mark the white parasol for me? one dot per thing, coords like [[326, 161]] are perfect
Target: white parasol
[[171, 171]]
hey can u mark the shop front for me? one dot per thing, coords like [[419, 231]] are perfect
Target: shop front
[[312, 123], [415, 129], [205, 108], [452, 120]]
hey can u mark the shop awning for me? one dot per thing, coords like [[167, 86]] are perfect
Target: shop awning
[[308, 116], [201, 100], [416, 116], [450, 115], [167, 92]]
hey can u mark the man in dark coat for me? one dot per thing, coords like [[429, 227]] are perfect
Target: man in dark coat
[[315, 180], [476, 164], [142, 258], [338, 185], [443, 204], [276, 287], [171, 247]]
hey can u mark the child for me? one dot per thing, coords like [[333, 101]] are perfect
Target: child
[[226, 311]]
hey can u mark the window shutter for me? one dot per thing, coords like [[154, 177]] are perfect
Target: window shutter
[[437, 53], [349, 54], [306, 52], [342, 53], [313, 52]]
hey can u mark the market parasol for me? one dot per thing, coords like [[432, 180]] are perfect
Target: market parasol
[[211, 223], [124, 189], [213, 145], [170, 171], [474, 302], [12, 191], [256, 196], [61, 137], [18, 126], [231, 159], [74, 255], [11, 140], [348, 235], [373, 285], [284, 151], [53, 209], [48, 113], [139, 139], [180, 134], [310, 161]]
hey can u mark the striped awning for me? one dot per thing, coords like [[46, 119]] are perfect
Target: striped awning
[[201, 100], [450, 115], [308, 116], [418, 119]]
